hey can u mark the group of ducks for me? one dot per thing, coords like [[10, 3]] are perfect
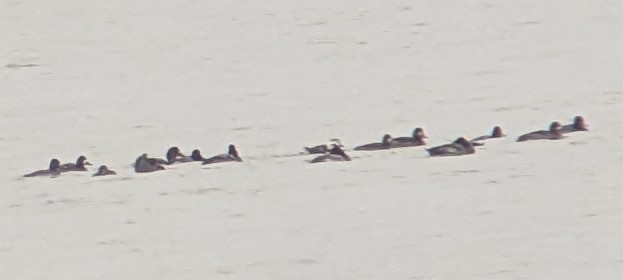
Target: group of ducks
[[145, 164], [461, 146], [330, 152]]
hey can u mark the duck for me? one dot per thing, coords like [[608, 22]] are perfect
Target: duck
[[335, 154], [104, 171], [459, 147], [196, 155], [495, 133], [53, 170], [144, 164], [416, 139], [554, 133], [78, 166], [577, 125], [386, 143], [175, 155], [324, 148], [231, 155]]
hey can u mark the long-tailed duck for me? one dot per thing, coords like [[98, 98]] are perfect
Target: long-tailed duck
[[231, 155], [577, 125], [103, 171], [554, 133], [144, 164], [53, 170], [385, 144], [324, 148], [457, 148], [335, 154], [417, 139], [78, 166]]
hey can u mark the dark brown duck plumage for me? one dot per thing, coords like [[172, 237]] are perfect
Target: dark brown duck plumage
[[386, 143], [495, 133], [335, 154], [78, 166], [144, 164], [416, 139], [175, 155], [324, 148], [104, 171], [457, 148], [196, 155], [578, 125], [53, 170], [231, 155], [554, 133]]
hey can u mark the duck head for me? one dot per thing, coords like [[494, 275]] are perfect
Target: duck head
[[138, 160], [173, 153], [103, 169], [579, 124], [463, 142], [196, 155], [387, 139], [81, 161], [497, 132], [418, 133], [55, 165], [232, 151], [555, 128]]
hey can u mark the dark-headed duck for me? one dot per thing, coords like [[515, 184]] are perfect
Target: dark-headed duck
[[335, 154], [577, 125], [196, 155], [53, 170], [103, 171], [175, 155], [231, 155], [324, 148], [144, 164], [495, 133], [78, 166], [457, 148], [554, 133], [417, 139], [385, 144]]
